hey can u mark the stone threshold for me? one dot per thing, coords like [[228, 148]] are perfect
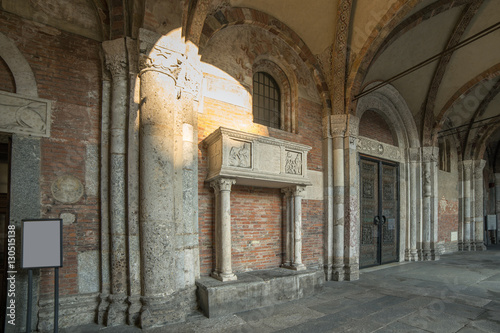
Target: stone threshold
[[256, 289]]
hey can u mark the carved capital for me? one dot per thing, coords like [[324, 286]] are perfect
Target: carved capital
[[338, 124], [222, 184], [287, 191], [414, 154], [298, 191], [115, 57], [430, 154], [326, 128]]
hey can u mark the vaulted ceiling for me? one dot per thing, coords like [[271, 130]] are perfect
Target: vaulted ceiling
[[454, 96]]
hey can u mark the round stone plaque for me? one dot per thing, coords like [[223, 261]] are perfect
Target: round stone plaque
[[67, 189]]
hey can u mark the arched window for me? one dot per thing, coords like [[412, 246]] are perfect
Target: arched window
[[266, 100]]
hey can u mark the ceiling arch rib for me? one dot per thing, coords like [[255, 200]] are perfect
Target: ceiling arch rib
[[468, 13], [390, 28]]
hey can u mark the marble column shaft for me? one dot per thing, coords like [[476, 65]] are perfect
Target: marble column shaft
[[426, 228], [288, 226], [479, 205], [467, 169], [413, 254], [223, 258], [117, 64], [497, 204], [297, 206], [328, 194], [338, 127]]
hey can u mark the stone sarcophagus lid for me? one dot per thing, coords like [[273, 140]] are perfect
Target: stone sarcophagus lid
[[256, 160]]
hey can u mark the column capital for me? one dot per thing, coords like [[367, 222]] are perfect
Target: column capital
[[338, 125], [222, 184], [287, 191], [353, 125], [115, 56], [298, 191], [430, 154], [414, 155]]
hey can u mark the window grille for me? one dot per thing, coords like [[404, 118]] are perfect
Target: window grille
[[266, 100]]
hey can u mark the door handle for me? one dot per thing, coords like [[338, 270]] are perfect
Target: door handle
[[383, 219], [376, 220]]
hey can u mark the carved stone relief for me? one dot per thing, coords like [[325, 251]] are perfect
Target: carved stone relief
[[376, 148], [67, 189], [240, 154], [24, 115], [293, 163]]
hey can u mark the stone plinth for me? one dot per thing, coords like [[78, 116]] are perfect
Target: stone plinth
[[256, 160], [256, 289]]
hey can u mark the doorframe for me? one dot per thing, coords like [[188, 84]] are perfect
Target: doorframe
[[381, 162]]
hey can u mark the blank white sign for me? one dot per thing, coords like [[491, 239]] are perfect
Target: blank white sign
[[42, 243]]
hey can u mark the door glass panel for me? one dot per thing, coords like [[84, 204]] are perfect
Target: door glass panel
[[390, 223], [369, 209]]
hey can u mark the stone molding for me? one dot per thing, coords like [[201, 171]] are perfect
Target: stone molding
[[375, 148], [25, 115], [256, 160]]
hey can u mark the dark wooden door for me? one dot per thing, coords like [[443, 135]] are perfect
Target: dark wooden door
[[379, 212]]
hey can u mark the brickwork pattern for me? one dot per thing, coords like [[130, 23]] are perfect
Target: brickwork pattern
[[373, 126], [448, 219], [67, 71]]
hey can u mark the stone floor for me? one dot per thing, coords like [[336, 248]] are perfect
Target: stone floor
[[459, 293]]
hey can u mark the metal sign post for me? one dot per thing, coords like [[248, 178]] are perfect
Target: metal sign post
[[42, 248]]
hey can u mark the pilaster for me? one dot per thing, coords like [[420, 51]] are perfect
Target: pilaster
[[478, 205]]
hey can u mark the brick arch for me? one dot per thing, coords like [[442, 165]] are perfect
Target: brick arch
[[230, 16], [388, 30]]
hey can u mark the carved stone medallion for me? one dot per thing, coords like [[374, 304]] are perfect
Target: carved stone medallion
[[67, 189]]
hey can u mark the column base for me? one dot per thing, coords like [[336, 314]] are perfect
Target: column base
[[117, 310], [480, 246], [134, 309], [351, 273], [338, 274], [224, 277], [328, 272], [413, 255], [295, 267], [159, 311]]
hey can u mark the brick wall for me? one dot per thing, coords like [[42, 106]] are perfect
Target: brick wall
[[373, 126], [67, 71], [257, 213]]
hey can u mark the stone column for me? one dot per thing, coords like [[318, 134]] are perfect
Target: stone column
[[223, 270], [298, 192], [467, 168], [497, 204], [479, 205], [168, 159], [288, 226], [352, 222], [426, 228], [328, 194], [117, 64], [338, 127], [414, 160]]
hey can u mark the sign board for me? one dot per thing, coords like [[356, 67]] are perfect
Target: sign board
[[42, 243], [491, 222]]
